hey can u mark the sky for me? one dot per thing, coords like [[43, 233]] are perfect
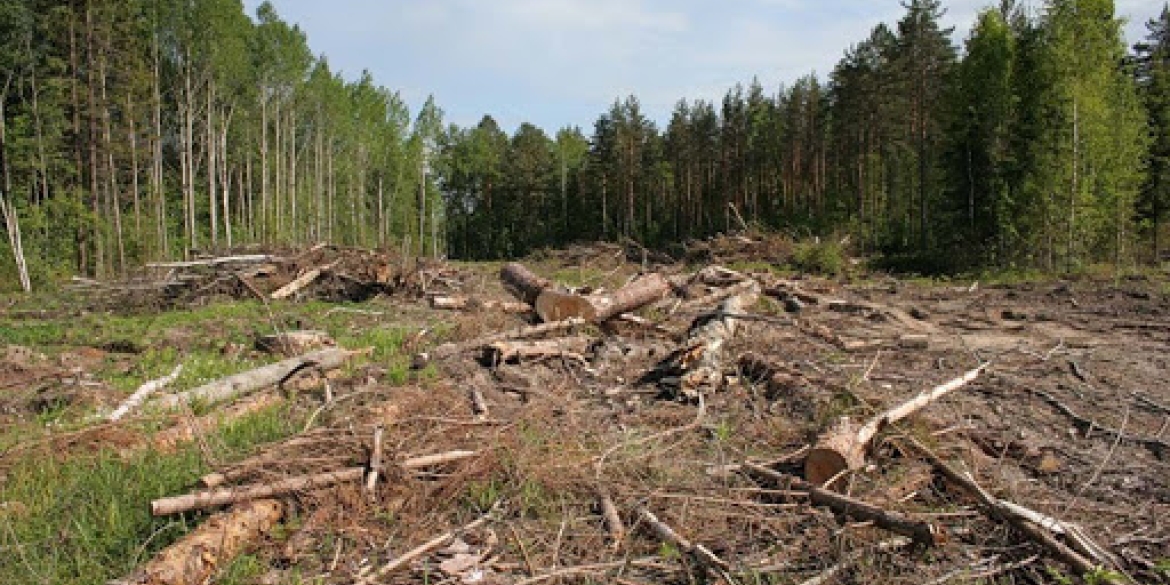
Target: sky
[[557, 63]]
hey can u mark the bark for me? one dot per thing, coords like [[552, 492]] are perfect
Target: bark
[[221, 497], [262, 377], [563, 347], [196, 558], [699, 363], [844, 445]]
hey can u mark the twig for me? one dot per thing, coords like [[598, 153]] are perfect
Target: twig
[[425, 548], [375, 462], [708, 559]]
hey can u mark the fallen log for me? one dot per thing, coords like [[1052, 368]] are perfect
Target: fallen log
[[143, 392], [300, 282], [515, 351], [554, 305], [462, 303], [920, 531], [448, 350], [244, 259], [699, 363], [262, 377], [189, 429], [844, 445], [523, 283], [213, 498], [197, 557]]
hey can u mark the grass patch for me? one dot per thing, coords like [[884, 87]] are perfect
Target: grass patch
[[85, 520]]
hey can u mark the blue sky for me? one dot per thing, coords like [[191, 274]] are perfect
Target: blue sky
[[562, 62]]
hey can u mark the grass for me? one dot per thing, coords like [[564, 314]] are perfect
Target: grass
[[83, 518]]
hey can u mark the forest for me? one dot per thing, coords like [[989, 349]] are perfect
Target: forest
[[147, 130]]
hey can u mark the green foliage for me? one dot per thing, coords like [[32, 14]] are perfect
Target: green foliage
[[821, 257]]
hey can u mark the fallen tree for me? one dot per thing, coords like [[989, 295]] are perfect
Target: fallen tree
[[844, 445], [262, 377]]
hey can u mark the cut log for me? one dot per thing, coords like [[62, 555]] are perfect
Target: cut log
[[554, 305], [844, 445], [699, 363], [449, 303], [919, 531], [262, 377], [517, 351], [522, 282], [144, 391], [300, 282], [196, 558], [292, 343], [448, 350]]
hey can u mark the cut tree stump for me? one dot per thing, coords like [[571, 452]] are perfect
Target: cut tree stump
[[844, 445], [262, 377], [195, 559]]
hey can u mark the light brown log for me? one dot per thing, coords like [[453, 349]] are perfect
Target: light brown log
[[919, 531], [291, 343], [566, 347], [448, 350], [554, 305], [844, 445], [143, 392], [245, 259], [449, 303], [197, 557], [522, 282], [300, 282], [262, 377]]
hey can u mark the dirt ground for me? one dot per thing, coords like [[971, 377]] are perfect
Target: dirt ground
[[1071, 419]]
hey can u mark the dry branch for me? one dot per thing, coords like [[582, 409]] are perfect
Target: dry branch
[[219, 497], [269, 375], [701, 553], [143, 392], [418, 551], [920, 531], [613, 521], [195, 559], [844, 445], [1011, 514]]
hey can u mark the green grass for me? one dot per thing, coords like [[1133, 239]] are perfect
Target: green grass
[[85, 519]]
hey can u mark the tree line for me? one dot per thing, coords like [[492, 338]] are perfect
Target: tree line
[[1043, 143], [141, 130]]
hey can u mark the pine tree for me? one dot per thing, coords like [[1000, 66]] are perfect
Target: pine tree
[[1153, 77]]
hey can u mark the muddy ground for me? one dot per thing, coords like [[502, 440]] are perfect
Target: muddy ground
[[1071, 419]]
